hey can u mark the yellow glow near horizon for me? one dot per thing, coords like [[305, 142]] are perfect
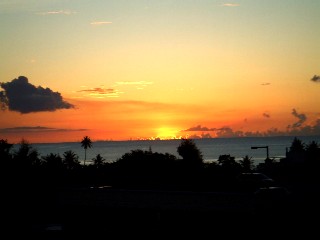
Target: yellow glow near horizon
[[164, 133], [153, 70]]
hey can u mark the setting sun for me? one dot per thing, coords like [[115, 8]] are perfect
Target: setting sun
[[165, 133], [166, 69]]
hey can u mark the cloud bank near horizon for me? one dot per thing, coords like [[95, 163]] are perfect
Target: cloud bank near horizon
[[21, 96], [296, 129]]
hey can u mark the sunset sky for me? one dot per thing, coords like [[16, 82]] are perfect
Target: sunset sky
[[149, 69]]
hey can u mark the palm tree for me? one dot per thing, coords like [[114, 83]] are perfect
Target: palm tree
[[98, 160], [86, 143], [70, 160], [246, 163]]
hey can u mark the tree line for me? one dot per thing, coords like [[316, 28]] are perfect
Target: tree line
[[140, 168]]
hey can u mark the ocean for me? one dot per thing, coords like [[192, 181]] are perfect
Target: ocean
[[211, 148]]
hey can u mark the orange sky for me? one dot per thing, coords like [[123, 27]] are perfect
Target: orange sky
[[119, 70]]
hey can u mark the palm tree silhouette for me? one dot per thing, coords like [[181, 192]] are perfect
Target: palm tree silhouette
[[86, 143]]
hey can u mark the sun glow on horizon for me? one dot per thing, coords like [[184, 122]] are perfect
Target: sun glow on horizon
[[167, 133], [122, 70]]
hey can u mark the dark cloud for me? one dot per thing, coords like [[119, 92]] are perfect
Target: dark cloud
[[199, 128], [206, 135], [266, 115], [3, 100], [101, 92], [309, 130], [21, 96], [315, 78], [37, 129], [295, 129], [265, 84], [227, 132], [302, 118], [219, 132]]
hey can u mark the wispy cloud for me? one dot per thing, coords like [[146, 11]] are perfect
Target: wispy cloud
[[301, 119], [63, 12], [315, 78], [266, 115], [230, 4], [139, 84], [37, 129], [144, 83], [265, 84], [101, 92], [97, 23]]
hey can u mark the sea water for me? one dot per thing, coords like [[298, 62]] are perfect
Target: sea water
[[211, 148]]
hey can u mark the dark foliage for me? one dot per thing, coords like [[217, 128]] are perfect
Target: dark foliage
[[189, 152], [59, 189]]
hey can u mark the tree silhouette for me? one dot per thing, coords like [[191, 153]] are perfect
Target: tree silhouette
[[246, 163], [5, 150], [229, 164], [226, 160], [70, 160], [312, 146], [98, 160], [189, 151], [313, 154], [53, 162], [26, 155], [297, 152], [297, 145], [86, 143]]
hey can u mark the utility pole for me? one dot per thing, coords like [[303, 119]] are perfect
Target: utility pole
[[267, 147]]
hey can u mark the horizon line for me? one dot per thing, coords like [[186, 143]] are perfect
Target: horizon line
[[173, 139]]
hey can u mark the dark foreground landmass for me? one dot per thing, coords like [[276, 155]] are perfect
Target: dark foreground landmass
[[152, 195], [101, 211]]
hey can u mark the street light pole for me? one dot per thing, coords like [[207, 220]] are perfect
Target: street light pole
[[267, 147]]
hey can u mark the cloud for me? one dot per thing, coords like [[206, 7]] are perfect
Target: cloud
[[63, 12], [143, 83], [101, 92], [100, 23], [21, 96], [315, 78], [3, 100], [296, 129], [266, 115], [198, 128], [139, 84], [36, 129], [302, 118], [265, 84], [309, 130], [228, 132], [218, 132], [230, 5]]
